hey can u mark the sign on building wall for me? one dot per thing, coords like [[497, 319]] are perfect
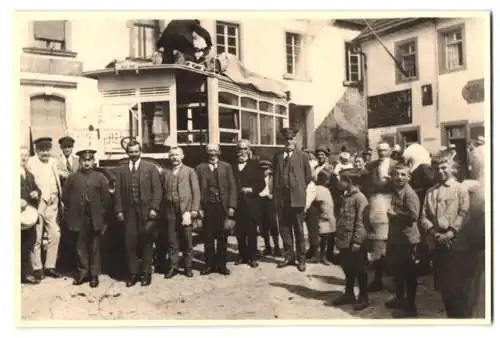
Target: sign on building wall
[[473, 91], [390, 109]]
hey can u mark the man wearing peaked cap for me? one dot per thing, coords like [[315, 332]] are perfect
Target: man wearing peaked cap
[[86, 197], [67, 163], [43, 167], [367, 155], [265, 164], [292, 173]]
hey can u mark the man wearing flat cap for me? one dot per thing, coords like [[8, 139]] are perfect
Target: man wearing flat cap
[[67, 162], [44, 169], [367, 155], [86, 198], [291, 175], [269, 224]]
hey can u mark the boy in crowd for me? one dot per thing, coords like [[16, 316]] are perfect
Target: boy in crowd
[[351, 237], [403, 239]]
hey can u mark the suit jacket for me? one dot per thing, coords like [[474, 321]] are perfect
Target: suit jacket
[[28, 185], [227, 184], [62, 168], [149, 186], [35, 166], [300, 176], [374, 183], [250, 177], [82, 189], [188, 188], [184, 29]]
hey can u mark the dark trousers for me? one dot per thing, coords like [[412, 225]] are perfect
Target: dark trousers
[[291, 227], [88, 250], [312, 220], [138, 243], [67, 254], [459, 285], [28, 238], [269, 225], [401, 259], [354, 264], [179, 237], [213, 231], [246, 233]]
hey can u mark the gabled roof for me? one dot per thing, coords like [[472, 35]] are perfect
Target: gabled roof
[[387, 26]]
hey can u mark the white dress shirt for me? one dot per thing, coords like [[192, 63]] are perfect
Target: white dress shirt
[[132, 164]]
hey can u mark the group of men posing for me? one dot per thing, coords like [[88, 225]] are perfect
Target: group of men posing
[[380, 214]]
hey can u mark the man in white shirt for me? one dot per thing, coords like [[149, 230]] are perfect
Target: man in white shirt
[[44, 169]]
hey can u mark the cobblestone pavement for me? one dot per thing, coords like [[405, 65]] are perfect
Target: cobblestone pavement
[[259, 294]]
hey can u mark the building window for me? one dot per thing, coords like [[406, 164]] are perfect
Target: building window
[[228, 38], [406, 54], [47, 116], [293, 44], [353, 64], [451, 49], [50, 35], [144, 36]]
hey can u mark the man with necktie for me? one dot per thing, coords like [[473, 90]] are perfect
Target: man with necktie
[[292, 173], [138, 195], [67, 164], [218, 200], [43, 168], [250, 183], [86, 198]]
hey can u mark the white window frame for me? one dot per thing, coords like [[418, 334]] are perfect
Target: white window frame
[[295, 58], [349, 73], [226, 45]]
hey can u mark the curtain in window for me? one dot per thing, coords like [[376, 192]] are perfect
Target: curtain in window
[[453, 51], [266, 129], [50, 30], [249, 126]]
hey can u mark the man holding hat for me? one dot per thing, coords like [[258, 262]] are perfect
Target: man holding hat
[[292, 173], [86, 198], [43, 167], [218, 201], [67, 162]]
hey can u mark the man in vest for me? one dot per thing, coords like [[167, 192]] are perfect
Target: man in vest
[[218, 198], [138, 194], [182, 200]]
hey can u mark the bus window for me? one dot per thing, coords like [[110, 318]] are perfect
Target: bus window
[[228, 118], [155, 125]]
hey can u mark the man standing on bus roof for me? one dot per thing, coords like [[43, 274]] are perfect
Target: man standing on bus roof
[[138, 195], [292, 173]]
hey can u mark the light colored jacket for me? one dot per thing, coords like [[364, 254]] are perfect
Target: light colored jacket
[[35, 166], [62, 166], [321, 195]]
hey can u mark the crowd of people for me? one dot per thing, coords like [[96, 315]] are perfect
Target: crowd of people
[[404, 214]]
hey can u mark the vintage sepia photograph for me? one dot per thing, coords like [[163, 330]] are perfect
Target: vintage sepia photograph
[[253, 166]]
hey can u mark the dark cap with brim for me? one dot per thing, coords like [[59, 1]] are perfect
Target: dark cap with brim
[[350, 173], [66, 141], [43, 143], [265, 164], [323, 149], [86, 154], [289, 133]]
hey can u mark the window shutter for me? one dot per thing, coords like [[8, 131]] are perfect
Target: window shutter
[[50, 30], [48, 117]]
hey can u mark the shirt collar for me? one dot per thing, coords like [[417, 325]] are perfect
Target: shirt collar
[[355, 190], [449, 182], [131, 164]]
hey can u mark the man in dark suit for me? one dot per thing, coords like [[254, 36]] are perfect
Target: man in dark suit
[[181, 195], [292, 173], [30, 196], [250, 182], [218, 197], [178, 36], [86, 198], [138, 194]]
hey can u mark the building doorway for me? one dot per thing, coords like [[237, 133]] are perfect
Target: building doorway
[[407, 137], [298, 120], [457, 135]]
